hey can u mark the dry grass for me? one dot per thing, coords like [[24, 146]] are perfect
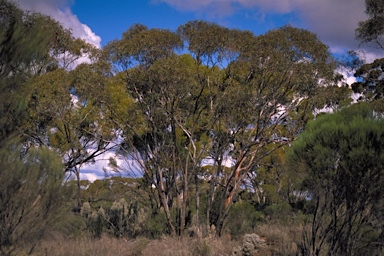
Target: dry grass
[[190, 247], [280, 240], [106, 246], [89, 247]]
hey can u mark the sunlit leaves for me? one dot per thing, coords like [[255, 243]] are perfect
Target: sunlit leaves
[[226, 99], [143, 46], [370, 84]]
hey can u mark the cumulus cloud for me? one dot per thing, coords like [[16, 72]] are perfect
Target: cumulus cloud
[[334, 21], [100, 168], [60, 11]]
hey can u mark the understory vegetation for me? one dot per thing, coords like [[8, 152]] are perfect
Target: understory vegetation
[[219, 143]]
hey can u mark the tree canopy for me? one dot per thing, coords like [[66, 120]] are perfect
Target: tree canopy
[[342, 155], [202, 119], [224, 100], [371, 31]]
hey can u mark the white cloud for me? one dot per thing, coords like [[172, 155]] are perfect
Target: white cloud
[[90, 176], [90, 36], [334, 21], [95, 170], [369, 57], [60, 11], [100, 168], [349, 78]]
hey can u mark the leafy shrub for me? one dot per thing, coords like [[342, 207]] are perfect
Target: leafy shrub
[[242, 219], [279, 212], [31, 194]]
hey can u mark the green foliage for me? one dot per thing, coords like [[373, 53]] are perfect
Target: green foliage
[[121, 220], [22, 45], [243, 218], [156, 225], [371, 84], [343, 155], [372, 30], [23, 42], [281, 213], [222, 99], [333, 97], [30, 195], [272, 183], [70, 224], [116, 207], [143, 46], [35, 55]]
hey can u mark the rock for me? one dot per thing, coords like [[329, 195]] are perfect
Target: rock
[[252, 243]]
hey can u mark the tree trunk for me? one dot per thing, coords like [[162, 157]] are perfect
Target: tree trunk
[[164, 203], [211, 195], [197, 193], [78, 189], [184, 199]]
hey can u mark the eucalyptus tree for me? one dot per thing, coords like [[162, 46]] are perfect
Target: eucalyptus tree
[[212, 48], [31, 183], [154, 80], [46, 101], [370, 83], [371, 31], [33, 47], [176, 96], [69, 112], [23, 47], [224, 102], [370, 75], [266, 91]]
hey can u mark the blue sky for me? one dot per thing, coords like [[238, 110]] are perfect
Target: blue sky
[[100, 21], [110, 20]]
